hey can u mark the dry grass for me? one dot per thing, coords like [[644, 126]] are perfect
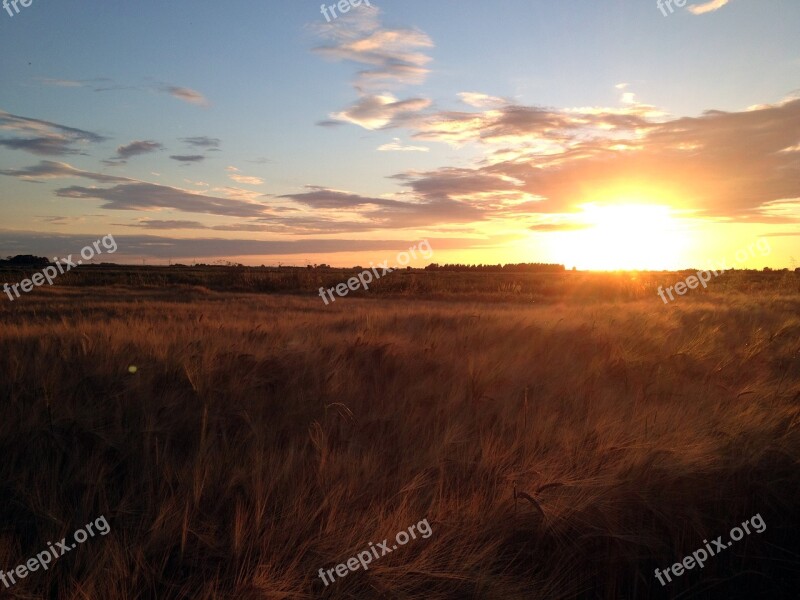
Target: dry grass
[[558, 451]]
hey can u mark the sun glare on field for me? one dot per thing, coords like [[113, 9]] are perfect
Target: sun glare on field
[[625, 236]]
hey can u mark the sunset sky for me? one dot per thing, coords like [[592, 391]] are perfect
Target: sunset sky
[[596, 134]]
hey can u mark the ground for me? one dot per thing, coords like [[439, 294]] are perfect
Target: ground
[[560, 447]]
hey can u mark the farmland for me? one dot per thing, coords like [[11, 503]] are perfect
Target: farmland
[[564, 434]]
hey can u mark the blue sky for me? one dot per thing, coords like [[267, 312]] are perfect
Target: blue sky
[[259, 107]]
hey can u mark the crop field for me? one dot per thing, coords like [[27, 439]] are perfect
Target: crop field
[[562, 435]]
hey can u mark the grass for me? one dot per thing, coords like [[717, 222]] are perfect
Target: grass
[[562, 449]]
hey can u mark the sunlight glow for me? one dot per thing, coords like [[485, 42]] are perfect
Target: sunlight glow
[[625, 236]]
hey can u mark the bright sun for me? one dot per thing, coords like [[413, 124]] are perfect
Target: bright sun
[[625, 236]]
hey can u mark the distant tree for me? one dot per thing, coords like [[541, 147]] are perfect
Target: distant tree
[[25, 260], [510, 268]]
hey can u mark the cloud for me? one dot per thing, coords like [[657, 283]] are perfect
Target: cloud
[[187, 95], [246, 180], [540, 164], [334, 211], [58, 170], [375, 112], [133, 246], [44, 138], [188, 158], [393, 58], [329, 206], [197, 183], [711, 6], [238, 193], [481, 100], [156, 224], [61, 82], [392, 54], [309, 225], [542, 129], [105, 84], [549, 227], [397, 146], [202, 142], [137, 148], [783, 234], [418, 211], [72, 83], [97, 84], [163, 224], [735, 165], [40, 146], [143, 196], [59, 221], [320, 197], [132, 194], [233, 173]]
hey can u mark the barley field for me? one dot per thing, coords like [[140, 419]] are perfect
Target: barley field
[[560, 446]]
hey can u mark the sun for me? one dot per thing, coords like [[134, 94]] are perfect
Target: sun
[[625, 236]]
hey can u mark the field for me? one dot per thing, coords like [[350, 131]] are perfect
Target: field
[[564, 435]]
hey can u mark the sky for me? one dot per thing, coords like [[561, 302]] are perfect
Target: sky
[[617, 134]]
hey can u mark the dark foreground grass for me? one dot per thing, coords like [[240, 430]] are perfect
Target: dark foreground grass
[[262, 438]]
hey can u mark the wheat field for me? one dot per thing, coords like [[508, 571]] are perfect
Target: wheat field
[[239, 442]]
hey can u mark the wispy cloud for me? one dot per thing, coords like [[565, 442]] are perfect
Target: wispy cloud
[[47, 169], [478, 100], [377, 111], [202, 141], [105, 84], [419, 210], [138, 147], [735, 165], [540, 164], [393, 57], [97, 83], [135, 195], [187, 95], [548, 227], [61, 82], [29, 242], [149, 196], [157, 224], [235, 175], [163, 224], [711, 6], [188, 158], [397, 146], [44, 138]]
